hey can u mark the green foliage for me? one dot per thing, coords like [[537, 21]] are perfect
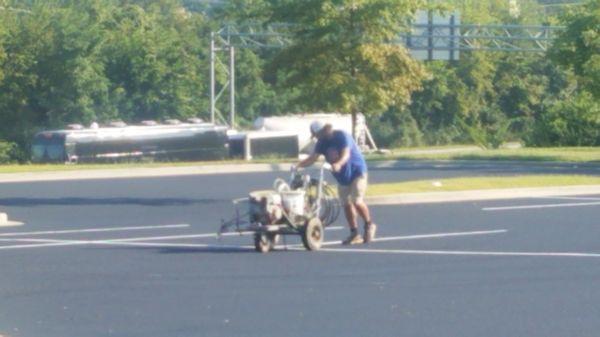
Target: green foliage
[[487, 97], [573, 122], [396, 129], [578, 46], [94, 60], [152, 62], [7, 151], [68, 61], [498, 11], [341, 58]]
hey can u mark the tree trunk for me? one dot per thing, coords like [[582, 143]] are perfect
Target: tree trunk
[[354, 117]]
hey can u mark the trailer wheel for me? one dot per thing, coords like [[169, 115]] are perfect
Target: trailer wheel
[[312, 236], [264, 242]]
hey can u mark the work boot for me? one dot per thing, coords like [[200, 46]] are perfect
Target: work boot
[[353, 239], [370, 230]]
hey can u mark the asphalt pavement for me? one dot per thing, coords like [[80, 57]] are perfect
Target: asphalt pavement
[[135, 257]]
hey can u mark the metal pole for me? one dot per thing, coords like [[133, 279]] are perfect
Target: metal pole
[[231, 86], [452, 34], [429, 35], [212, 77]]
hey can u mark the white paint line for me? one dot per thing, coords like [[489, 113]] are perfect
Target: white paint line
[[36, 240], [570, 198], [172, 245], [95, 230], [40, 245], [459, 252], [196, 236], [507, 208], [175, 237], [62, 243], [439, 235], [420, 236]]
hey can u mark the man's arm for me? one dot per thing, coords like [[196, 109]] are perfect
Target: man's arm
[[344, 157], [309, 160]]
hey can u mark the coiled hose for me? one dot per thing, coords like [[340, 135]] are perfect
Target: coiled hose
[[330, 203]]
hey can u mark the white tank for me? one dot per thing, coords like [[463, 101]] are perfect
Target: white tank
[[300, 124]]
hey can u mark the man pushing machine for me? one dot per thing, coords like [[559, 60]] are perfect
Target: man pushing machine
[[350, 170]]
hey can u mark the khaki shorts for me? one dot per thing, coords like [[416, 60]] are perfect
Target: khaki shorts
[[355, 192]]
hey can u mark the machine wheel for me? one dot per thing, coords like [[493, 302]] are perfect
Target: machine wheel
[[264, 242], [312, 236]]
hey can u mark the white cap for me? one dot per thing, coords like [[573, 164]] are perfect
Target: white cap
[[316, 126]]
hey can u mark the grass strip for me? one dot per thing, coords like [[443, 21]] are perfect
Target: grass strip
[[563, 154], [481, 183], [556, 154]]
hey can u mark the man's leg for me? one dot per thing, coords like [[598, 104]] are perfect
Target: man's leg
[[350, 212], [363, 210], [359, 189]]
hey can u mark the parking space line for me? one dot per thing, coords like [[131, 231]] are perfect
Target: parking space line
[[40, 243], [419, 236], [174, 245], [508, 208], [94, 230], [439, 235], [460, 252], [570, 198], [196, 236], [59, 243]]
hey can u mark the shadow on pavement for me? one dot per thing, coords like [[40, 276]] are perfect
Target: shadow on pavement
[[32, 202], [185, 250]]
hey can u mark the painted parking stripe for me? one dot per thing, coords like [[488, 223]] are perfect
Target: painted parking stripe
[[198, 236], [66, 243], [570, 198], [461, 253], [509, 208], [95, 230], [423, 236], [41, 243], [417, 237], [137, 242], [174, 245]]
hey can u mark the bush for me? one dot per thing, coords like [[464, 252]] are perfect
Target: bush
[[574, 122], [7, 152], [396, 129]]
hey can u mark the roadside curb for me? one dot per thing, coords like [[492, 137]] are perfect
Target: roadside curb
[[149, 172], [397, 199], [480, 195], [142, 172], [4, 222]]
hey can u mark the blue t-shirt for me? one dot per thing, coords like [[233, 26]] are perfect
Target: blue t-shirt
[[332, 150]]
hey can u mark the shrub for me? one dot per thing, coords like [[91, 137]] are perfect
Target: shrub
[[7, 152], [574, 122]]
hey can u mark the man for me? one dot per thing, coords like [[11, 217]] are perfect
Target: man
[[350, 170]]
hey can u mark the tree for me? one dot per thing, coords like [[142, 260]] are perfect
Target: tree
[[257, 93], [71, 61], [154, 61], [574, 121], [578, 46], [572, 118], [343, 56], [2, 38]]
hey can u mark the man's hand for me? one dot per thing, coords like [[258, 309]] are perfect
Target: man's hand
[[336, 167], [308, 161]]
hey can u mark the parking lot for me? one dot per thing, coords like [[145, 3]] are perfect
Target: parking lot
[[140, 258]]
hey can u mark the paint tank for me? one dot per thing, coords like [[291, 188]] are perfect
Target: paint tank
[[300, 124]]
